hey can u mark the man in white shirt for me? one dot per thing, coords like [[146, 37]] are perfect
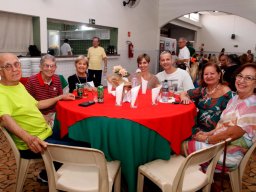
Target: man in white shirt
[[65, 49], [170, 73], [184, 54]]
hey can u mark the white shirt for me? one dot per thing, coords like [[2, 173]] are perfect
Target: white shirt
[[65, 48], [181, 76], [184, 54]]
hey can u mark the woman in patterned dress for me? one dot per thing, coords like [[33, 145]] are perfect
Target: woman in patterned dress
[[210, 98]]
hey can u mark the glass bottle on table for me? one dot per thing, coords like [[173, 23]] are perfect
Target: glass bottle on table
[[165, 91]]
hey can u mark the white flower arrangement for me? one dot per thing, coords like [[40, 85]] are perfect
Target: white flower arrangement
[[119, 70]]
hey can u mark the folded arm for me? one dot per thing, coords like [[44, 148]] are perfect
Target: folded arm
[[233, 132]]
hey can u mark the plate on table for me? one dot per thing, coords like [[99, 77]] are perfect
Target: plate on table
[[170, 100]]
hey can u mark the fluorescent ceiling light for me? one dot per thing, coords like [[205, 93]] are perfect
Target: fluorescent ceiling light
[[85, 28]]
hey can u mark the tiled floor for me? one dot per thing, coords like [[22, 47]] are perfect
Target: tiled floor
[[7, 174]]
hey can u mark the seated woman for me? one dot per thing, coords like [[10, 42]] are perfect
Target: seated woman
[[143, 61], [237, 122], [81, 76], [210, 98]]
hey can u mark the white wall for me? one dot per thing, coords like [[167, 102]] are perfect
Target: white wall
[[172, 9], [141, 21], [216, 33]]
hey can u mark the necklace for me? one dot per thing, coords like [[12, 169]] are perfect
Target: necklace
[[79, 79], [212, 91], [208, 94]]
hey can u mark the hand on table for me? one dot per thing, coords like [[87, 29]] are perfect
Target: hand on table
[[185, 100], [67, 96], [91, 89]]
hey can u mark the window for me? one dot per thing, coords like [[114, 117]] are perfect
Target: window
[[192, 16]]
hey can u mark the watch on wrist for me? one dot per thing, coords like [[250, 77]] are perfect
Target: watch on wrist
[[207, 140]]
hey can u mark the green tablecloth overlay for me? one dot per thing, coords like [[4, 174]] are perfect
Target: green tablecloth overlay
[[123, 140]]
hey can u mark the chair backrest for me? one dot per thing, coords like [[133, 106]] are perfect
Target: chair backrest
[[245, 160], [76, 156], [13, 146], [210, 154]]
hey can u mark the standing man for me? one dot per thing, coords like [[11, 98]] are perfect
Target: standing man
[[95, 56], [65, 49], [184, 54], [171, 73]]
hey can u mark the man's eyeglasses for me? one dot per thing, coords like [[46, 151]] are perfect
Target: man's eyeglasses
[[246, 78], [49, 66], [9, 66]]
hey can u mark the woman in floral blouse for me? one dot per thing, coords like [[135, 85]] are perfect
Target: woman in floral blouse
[[210, 98]]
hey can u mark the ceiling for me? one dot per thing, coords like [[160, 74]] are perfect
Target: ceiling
[[215, 13]]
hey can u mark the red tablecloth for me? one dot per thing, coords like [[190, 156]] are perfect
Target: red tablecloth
[[172, 121]]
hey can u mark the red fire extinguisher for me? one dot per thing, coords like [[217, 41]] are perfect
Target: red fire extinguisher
[[130, 50]]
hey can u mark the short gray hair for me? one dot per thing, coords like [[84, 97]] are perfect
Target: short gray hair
[[166, 52], [46, 57]]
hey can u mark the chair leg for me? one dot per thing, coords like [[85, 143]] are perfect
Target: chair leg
[[117, 182], [140, 182], [21, 174], [235, 181]]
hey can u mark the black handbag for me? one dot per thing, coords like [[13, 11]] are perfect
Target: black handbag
[[182, 66]]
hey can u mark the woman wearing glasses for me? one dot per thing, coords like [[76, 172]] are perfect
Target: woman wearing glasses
[[210, 98], [237, 121]]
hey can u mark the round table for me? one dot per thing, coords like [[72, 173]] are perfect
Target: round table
[[133, 136]]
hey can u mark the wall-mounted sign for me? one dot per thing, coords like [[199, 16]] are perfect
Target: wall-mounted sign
[[92, 21]]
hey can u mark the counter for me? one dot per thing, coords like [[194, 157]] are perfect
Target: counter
[[65, 65]]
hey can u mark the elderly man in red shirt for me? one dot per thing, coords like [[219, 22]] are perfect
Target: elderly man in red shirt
[[45, 85]]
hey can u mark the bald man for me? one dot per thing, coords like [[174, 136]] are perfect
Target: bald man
[[19, 111], [171, 74], [184, 54]]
